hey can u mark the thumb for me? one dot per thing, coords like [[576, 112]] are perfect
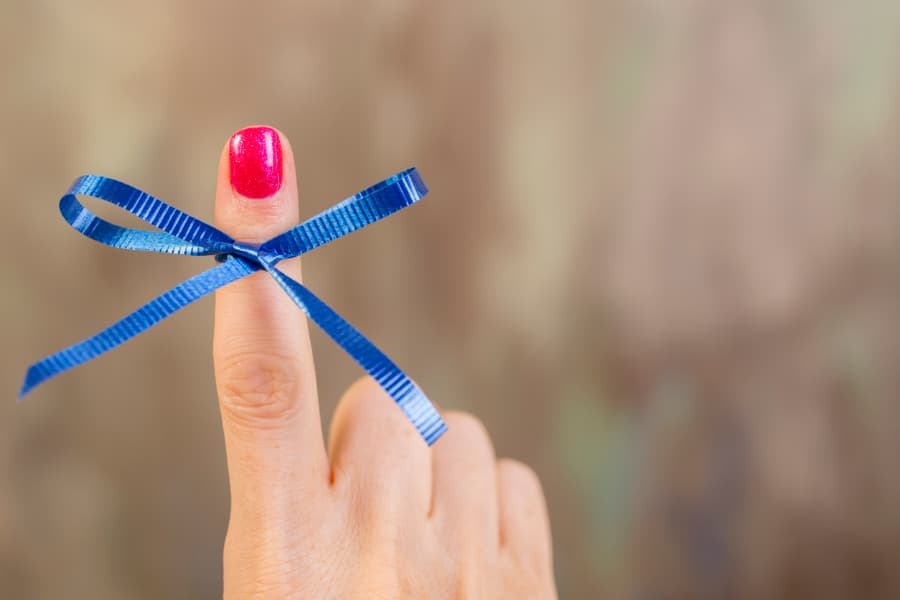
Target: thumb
[[263, 361]]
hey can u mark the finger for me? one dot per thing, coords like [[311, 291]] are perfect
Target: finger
[[464, 492], [263, 360], [524, 524], [378, 460]]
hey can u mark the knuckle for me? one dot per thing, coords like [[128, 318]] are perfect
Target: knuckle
[[257, 388], [519, 477], [365, 405], [357, 407], [365, 387], [469, 435], [359, 396], [465, 425]]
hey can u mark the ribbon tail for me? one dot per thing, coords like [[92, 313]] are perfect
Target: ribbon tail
[[408, 396], [137, 322]]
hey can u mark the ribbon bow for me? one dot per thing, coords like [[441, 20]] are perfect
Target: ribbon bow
[[183, 234]]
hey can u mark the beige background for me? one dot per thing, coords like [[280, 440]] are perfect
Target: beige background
[[659, 260]]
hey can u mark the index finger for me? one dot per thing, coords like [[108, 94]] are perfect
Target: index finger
[[263, 360]]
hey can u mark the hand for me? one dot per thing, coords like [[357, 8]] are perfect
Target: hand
[[380, 515]]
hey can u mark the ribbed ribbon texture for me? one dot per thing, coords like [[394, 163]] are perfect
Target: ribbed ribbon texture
[[183, 234]]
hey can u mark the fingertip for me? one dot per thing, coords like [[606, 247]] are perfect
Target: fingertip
[[256, 192]]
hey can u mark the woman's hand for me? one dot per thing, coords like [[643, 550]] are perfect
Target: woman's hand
[[379, 515]]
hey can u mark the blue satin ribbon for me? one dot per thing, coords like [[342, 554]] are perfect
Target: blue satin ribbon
[[183, 234]]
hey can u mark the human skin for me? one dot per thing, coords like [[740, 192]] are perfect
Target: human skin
[[378, 514]]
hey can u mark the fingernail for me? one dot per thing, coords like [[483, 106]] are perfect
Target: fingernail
[[255, 158]]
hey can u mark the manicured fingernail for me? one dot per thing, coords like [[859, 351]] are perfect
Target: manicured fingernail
[[255, 158]]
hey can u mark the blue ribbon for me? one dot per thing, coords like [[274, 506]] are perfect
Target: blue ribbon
[[183, 234]]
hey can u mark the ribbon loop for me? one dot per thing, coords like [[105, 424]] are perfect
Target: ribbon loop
[[360, 210], [150, 209], [185, 235], [90, 225]]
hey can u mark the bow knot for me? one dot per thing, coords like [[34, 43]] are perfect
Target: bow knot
[[251, 252], [185, 235]]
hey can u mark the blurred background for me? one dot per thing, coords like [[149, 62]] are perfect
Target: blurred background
[[660, 260]]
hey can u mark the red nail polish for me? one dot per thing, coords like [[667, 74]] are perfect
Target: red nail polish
[[255, 157]]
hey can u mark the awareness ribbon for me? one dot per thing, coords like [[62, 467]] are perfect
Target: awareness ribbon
[[185, 235]]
